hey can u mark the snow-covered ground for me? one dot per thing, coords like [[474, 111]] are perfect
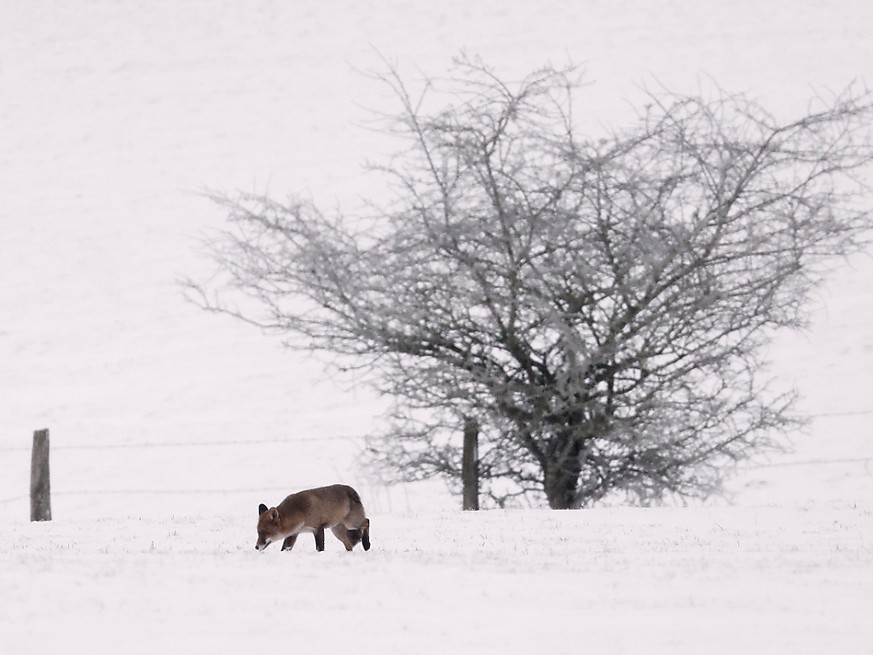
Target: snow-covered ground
[[169, 426], [724, 580]]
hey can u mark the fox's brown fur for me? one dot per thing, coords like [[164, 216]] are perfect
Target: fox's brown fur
[[337, 507]]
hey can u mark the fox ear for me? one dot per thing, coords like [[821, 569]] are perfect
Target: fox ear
[[274, 514], [261, 509]]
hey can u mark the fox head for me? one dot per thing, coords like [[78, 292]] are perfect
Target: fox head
[[269, 528]]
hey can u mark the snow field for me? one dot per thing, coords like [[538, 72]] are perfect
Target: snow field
[[720, 580]]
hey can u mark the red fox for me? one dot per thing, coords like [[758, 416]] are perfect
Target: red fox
[[337, 507]]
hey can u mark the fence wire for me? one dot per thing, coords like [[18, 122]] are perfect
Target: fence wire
[[248, 442]]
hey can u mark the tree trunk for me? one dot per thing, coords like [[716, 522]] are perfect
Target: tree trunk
[[561, 477], [560, 490]]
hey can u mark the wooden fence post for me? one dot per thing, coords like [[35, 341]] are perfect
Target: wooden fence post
[[470, 464], [40, 483]]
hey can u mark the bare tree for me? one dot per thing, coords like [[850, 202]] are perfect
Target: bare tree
[[600, 306]]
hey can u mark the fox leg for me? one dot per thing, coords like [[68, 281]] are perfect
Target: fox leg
[[365, 534], [340, 532], [288, 544], [319, 538]]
